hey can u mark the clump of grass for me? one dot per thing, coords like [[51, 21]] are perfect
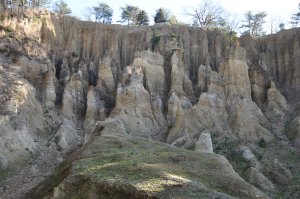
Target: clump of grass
[[155, 39], [155, 167]]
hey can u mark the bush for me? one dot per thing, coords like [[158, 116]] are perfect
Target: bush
[[155, 39]]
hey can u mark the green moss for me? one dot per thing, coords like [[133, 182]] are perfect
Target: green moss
[[155, 39], [120, 164], [155, 167], [290, 159], [172, 35]]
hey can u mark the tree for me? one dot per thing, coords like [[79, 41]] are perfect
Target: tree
[[273, 24], [38, 3], [61, 7], [142, 18], [161, 16], [173, 20], [103, 13], [227, 26], [281, 26], [20, 4], [295, 19], [207, 14], [253, 23], [128, 14]]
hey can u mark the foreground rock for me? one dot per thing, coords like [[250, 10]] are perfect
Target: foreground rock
[[120, 165]]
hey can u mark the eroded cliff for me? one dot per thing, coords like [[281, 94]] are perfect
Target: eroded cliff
[[65, 82]]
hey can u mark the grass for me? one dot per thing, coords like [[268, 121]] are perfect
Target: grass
[[122, 166], [155, 39], [158, 169], [291, 159]]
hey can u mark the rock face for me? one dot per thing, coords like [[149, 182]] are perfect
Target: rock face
[[293, 131], [135, 107], [67, 83]]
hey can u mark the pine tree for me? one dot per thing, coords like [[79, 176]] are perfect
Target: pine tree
[[61, 7], [253, 23], [160, 16], [281, 26], [103, 13], [128, 14], [142, 18]]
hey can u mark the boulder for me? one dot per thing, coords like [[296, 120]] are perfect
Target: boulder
[[204, 143], [3, 162], [258, 179]]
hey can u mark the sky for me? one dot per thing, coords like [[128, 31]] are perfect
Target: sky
[[278, 10]]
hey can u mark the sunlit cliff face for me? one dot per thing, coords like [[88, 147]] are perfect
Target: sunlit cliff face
[[150, 107]]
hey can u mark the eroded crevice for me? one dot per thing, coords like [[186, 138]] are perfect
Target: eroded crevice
[[59, 91], [46, 187], [60, 83], [58, 64], [168, 79]]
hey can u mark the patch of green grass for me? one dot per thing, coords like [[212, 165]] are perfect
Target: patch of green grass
[[156, 167], [155, 39], [3, 174], [291, 160]]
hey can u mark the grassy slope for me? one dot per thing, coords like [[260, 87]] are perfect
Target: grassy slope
[[122, 162]]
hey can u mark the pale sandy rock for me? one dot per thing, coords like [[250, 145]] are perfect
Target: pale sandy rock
[[157, 109], [175, 119], [180, 83], [250, 158], [115, 125], [211, 113], [276, 104], [50, 94], [3, 162], [293, 131], [235, 74], [279, 55], [95, 110], [203, 76], [156, 90], [278, 172], [248, 155], [73, 103], [258, 87], [208, 113], [258, 179], [22, 119], [210, 81], [66, 136], [204, 143], [105, 75], [40, 73], [133, 106], [152, 65], [247, 121]]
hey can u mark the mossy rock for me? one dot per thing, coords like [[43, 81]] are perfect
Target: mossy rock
[[116, 165]]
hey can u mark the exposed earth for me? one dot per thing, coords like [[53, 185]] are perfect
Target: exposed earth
[[89, 110]]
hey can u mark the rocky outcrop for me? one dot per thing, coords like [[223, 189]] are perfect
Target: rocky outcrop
[[134, 106], [134, 167], [258, 179], [293, 131], [22, 121]]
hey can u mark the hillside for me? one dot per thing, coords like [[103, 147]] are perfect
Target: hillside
[[89, 110]]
